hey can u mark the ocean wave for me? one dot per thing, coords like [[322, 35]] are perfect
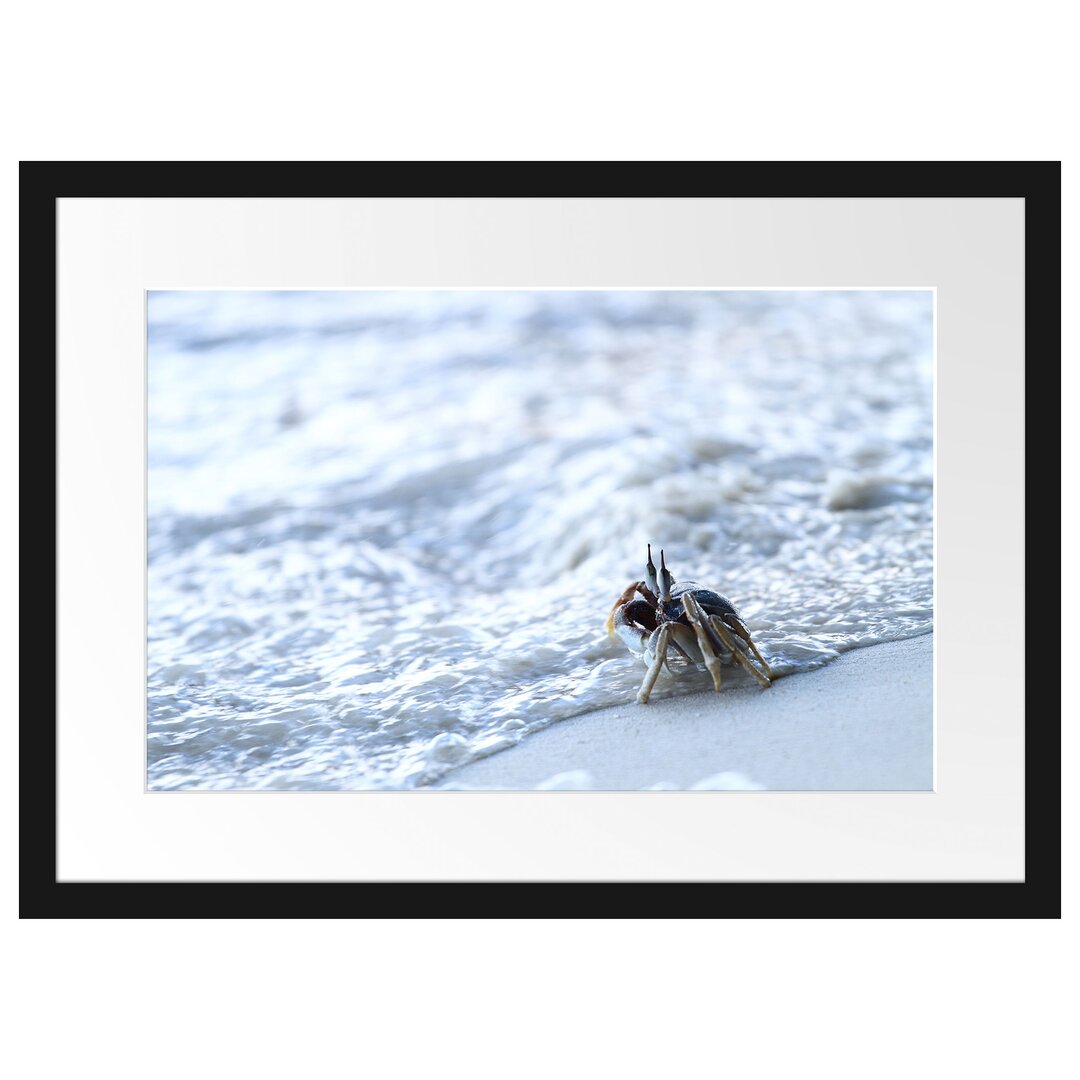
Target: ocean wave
[[385, 529]]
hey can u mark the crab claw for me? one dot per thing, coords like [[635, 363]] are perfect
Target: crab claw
[[624, 597]]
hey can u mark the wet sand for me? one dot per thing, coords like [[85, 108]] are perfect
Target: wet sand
[[862, 723]]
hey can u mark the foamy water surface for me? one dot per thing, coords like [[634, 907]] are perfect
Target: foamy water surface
[[385, 528]]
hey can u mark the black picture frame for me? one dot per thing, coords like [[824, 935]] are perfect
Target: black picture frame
[[42, 183]]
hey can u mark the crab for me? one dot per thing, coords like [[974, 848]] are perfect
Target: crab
[[656, 614]]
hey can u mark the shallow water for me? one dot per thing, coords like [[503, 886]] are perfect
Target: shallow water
[[385, 528]]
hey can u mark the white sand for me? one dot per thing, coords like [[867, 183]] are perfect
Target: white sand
[[863, 723]]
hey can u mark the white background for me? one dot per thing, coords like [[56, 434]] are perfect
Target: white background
[[768, 81]]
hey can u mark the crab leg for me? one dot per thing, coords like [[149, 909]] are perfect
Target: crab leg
[[646, 593], [708, 652], [678, 646], [723, 632], [684, 639], [745, 635], [659, 656]]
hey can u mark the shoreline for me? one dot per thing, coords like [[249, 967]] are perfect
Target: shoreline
[[864, 722]]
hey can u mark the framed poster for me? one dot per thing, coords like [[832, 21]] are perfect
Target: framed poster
[[356, 462]]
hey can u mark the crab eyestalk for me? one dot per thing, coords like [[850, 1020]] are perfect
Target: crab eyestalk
[[650, 572], [666, 580]]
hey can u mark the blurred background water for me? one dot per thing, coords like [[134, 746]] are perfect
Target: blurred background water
[[385, 528]]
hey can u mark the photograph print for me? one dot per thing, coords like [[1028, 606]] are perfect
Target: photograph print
[[557, 540]]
